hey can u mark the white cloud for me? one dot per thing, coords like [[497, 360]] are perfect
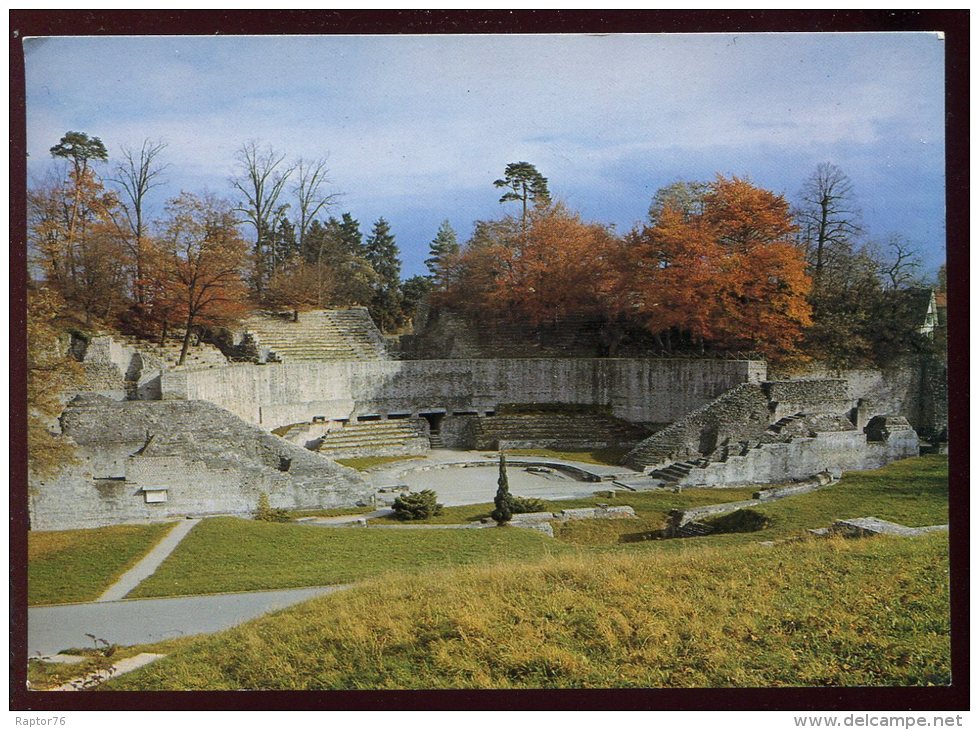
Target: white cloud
[[421, 120]]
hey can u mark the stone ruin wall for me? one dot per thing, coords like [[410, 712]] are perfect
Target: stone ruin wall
[[209, 461], [832, 451], [826, 440], [739, 414], [118, 371], [916, 388], [788, 397], [642, 391]]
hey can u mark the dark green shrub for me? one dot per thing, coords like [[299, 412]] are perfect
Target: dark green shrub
[[417, 506], [266, 513], [523, 505], [742, 520]]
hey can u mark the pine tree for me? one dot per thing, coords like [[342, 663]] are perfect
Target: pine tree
[[443, 246], [381, 253], [503, 501], [525, 184], [350, 235]]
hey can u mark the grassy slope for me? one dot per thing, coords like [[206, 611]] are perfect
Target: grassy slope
[[257, 555], [229, 554], [78, 565], [911, 492], [822, 612]]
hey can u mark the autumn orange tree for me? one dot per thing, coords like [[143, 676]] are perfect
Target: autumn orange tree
[[202, 260], [724, 272], [763, 297], [470, 274], [549, 271], [76, 243], [554, 269]]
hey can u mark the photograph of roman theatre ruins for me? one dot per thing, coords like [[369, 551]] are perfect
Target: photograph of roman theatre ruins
[[523, 444]]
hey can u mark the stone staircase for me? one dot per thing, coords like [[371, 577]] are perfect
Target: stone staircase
[[568, 430], [322, 335], [676, 471], [435, 441], [393, 437]]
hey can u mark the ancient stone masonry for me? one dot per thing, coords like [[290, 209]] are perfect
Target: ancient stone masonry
[[916, 388], [787, 397], [641, 391], [741, 414], [390, 437], [143, 461], [933, 416], [127, 368], [731, 441], [118, 370], [556, 430]]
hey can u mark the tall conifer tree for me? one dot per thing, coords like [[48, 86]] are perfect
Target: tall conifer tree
[[381, 252], [443, 246]]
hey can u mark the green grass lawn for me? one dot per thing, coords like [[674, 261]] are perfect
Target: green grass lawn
[[229, 554], [79, 565], [363, 463], [871, 612], [609, 456], [912, 492]]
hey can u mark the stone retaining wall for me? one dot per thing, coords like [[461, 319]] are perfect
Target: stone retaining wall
[[833, 452], [788, 397], [916, 388], [645, 391]]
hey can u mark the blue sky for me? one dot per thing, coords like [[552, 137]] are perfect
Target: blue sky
[[416, 128]]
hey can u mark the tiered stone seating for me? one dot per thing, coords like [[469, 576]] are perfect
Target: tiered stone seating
[[324, 335], [583, 430], [375, 438]]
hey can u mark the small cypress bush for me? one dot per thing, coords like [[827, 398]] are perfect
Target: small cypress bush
[[503, 500], [417, 506], [523, 505]]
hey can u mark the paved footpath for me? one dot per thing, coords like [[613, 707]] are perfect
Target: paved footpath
[[51, 629], [443, 471], [148, 565]]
